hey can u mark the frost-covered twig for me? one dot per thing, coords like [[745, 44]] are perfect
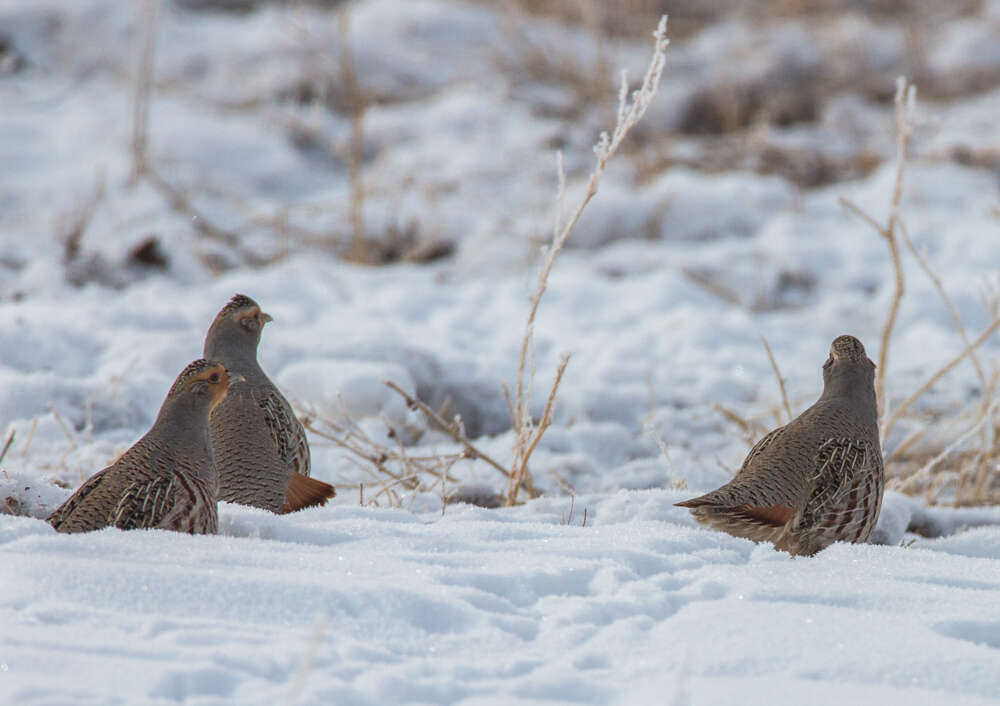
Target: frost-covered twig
[[630, 111], [414, 474], [532, 434], [905, 102]]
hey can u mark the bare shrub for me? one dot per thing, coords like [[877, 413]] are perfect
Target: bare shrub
[[527, 430]]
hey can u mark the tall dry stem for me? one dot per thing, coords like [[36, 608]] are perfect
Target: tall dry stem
[[143, 90], [357, 104], [906, 95], [630, 110]]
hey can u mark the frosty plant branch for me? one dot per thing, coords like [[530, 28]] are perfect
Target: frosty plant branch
[[892, 231], [630, 110], [906, 97]]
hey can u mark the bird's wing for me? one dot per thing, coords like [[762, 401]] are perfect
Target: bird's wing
[[175, 500], [289, 436], [745, 496], [92, 486], [145, 502], [839, 462], [762, 444]]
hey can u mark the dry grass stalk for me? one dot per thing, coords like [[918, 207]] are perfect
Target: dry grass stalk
[[924, 473], [952, 311], [941, 372], [750, 428], [453, 429], [905, 108], [31, 435], [630, 111], [143, 90], [781, 381], [357, 104], [529, 434], [673, 480], [80, 221], [180, 202], [6, 446], [523, 56], [393, 469], [568, 519]]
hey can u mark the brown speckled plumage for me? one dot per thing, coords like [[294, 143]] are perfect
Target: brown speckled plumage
[[260, 446], [167, 479], [817, 480]]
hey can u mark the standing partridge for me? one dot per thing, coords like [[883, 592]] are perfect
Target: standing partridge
[[260, 446], [167, 479], [818, 479]]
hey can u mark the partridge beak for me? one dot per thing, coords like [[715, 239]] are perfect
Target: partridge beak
[[236, 377], [266, 317]]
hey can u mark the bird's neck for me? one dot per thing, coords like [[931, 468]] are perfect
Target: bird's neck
[[187, 421], [855, 387], [238, 359]]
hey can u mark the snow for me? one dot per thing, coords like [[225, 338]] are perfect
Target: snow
[[686, 256], [372, 606]]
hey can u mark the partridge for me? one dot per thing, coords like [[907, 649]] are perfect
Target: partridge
[[167, 479], [818, 479], [260, 446]]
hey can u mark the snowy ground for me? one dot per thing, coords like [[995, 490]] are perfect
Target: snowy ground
[[696, 245]]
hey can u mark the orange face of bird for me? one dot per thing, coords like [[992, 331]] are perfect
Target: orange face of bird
[[213, 380], [252, 318]]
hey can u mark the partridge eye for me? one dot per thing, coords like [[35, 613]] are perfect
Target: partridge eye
[[214, 378], [249, 322]]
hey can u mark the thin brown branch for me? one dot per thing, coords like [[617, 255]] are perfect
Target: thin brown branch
[[944, 370], [520, 474], [860, 213], [6, 446], [180, 202], [449, 428], [143, 91], [357, 104], [630, 111], [905, 98], [751, 429], [955, 319], [781, 381]]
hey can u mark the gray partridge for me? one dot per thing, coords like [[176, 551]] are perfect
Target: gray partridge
[[818, 479], [167, 479], [260, 446]]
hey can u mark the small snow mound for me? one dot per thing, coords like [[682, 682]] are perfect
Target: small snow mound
[[894, 519]]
